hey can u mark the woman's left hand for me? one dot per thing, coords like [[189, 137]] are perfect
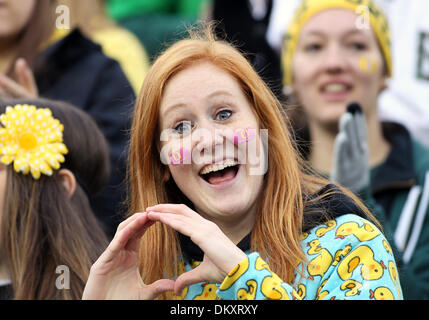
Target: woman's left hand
[[221, 255], [25, 87]]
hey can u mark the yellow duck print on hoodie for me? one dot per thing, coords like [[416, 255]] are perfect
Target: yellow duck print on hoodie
[[345, 259]]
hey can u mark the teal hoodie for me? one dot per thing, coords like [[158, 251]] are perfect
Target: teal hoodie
[[347, 257], [400, 188]]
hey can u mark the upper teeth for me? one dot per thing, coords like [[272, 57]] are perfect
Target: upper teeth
[[335, 87], [219, 166]]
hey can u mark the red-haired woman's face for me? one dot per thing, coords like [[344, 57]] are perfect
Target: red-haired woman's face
[[336, 63], [211, 142], [14, 15]]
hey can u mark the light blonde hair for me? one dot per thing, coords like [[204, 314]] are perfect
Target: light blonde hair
[[276, 234]]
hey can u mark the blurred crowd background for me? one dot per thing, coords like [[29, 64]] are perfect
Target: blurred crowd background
[[95, 54]]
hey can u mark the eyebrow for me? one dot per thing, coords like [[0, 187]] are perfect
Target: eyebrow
[[220, 92], [174, 106], [348, 33]]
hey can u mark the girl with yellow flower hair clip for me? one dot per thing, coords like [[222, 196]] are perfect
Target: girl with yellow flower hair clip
[[43, 55], [48, 172]]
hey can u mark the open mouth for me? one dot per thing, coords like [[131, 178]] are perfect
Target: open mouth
[[220, 172], [334, 88], [336, 91]]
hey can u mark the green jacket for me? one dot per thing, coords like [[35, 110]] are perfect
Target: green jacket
[[400, 187]]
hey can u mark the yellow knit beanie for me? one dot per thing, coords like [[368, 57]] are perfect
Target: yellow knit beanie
[[309, 8]]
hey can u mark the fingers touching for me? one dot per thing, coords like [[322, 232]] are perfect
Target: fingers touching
[[127, 236]]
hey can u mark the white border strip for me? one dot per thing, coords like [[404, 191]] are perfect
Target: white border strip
[[418, 223], [407, 214]]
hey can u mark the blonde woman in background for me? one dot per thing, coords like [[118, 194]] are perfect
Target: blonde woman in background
[[330, 69]]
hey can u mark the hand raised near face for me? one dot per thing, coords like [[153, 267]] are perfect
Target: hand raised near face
[[351, 153], [24, 87]]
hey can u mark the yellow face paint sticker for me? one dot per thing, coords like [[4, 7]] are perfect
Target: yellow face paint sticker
[[368, 65], [177, 156], [180, 156], [244, 135]]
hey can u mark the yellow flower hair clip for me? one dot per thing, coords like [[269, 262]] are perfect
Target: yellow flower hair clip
[[32, 139]]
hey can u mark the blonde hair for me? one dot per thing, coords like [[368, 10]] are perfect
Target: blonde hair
[[277, 230]]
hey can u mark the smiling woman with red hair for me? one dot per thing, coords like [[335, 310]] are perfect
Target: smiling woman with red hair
[[214, 220]]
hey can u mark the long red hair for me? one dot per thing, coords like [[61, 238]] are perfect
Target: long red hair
[[276, 233]]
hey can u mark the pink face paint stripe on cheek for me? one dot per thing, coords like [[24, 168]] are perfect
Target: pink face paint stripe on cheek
[[244, 135], [179, 156]]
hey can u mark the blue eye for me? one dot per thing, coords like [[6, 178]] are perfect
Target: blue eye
[[183, 127], [223, 115]]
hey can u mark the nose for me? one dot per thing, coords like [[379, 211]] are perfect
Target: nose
[[207, 138], [335, 60]]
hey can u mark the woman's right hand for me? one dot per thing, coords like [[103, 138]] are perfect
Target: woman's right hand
[[115, 275]]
